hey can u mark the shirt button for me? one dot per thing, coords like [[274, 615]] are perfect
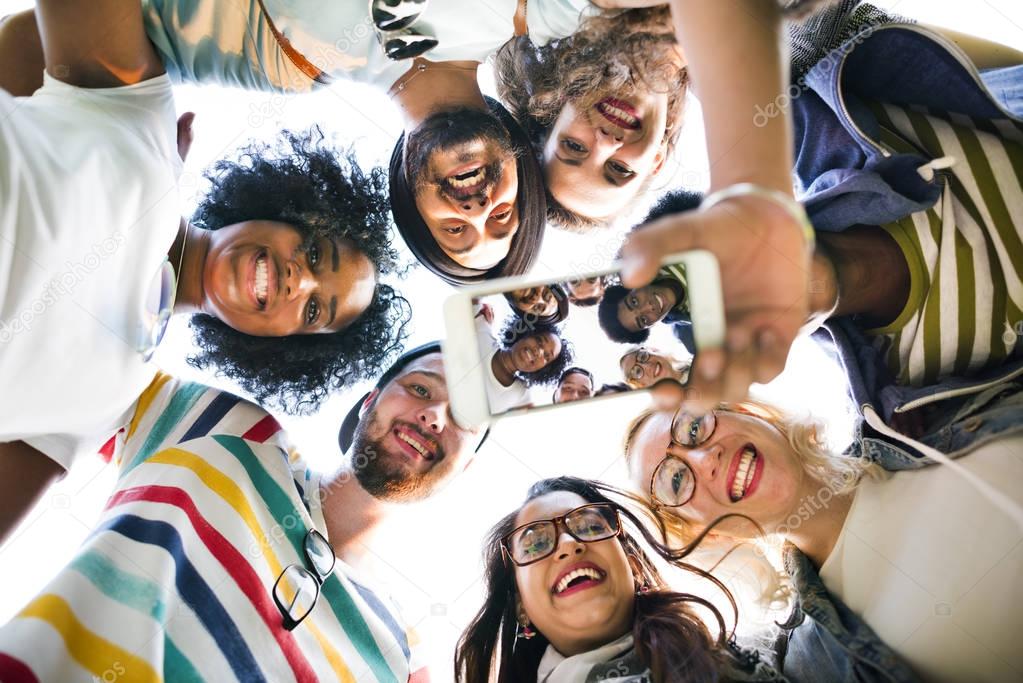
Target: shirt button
[[972, 424]]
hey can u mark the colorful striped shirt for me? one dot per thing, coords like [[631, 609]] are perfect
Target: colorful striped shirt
[[175, 583], [965, 254], [677, 272]]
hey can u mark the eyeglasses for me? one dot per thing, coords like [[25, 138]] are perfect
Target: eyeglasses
[[673, 482], [637, 371], [534, 541], [297, 589], [392, 21]]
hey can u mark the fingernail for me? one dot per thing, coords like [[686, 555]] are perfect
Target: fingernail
[[767, 340], [711, 367]]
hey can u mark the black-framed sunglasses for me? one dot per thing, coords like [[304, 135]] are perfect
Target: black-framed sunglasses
[[297, 589], [673, 482], [536, 540], [393, 20]]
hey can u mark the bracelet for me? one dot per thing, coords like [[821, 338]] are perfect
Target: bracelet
[[780, 199]]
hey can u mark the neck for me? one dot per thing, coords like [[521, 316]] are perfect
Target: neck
[[189, 290], [352, 515], [869, 272], [431, 86], [504, 369], [817, 534]]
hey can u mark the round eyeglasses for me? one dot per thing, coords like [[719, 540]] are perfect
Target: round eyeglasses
[[637, 371], [297, 589], [536, 540], [673, 482]]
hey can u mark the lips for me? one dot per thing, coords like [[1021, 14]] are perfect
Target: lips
[[468, 181], [415, 444], [744, 473], [263, 278], [577, 577], [619, 113]]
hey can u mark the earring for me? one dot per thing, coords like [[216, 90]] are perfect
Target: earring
[[524, 631], [644, 589]]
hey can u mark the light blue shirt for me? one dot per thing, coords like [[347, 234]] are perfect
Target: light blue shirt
[[230, 43]]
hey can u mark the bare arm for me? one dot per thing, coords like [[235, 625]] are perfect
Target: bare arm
[[21, 54], [738, 68], [25, 475], [96, 44]]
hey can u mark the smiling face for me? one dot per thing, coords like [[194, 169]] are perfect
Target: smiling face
[[591, 609], [407, 443], [534, 352], [539, 301], [745, 465], [596, 160], [643, 307], [643, 368], [257, 279], [573, 387], [462, 166]]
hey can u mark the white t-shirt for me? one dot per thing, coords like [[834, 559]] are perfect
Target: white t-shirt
[[230, 43], [502, 398], [936, 570], [88, 210]]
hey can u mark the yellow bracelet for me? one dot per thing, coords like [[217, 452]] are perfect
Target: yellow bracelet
[[790, 205]]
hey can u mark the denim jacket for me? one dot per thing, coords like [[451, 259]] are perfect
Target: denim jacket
[[849, 179]]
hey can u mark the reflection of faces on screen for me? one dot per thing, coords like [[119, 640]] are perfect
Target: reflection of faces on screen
[[640, 338]]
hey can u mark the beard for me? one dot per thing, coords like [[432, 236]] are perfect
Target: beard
[[450, 129], [389, 476]]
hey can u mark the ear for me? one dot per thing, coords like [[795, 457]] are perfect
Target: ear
[[370, 397], [662, 156]]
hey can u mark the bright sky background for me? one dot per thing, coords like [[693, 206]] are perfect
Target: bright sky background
[[429, 553]]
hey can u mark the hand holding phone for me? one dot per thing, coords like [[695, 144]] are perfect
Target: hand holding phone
[[520, 343]]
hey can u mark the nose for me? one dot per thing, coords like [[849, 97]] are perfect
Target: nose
[[567, 546], [705, 461], [433, 417], [610, 137], [298, 281], [476, 206]]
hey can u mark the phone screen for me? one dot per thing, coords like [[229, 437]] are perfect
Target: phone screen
[[575, 340]]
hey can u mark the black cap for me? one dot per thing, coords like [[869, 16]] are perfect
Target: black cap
[[347, 432]]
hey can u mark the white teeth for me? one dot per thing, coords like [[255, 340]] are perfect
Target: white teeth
[[261, 279], [744, 473], [415, 444], [476, 178], [588, 572], [618, 113]]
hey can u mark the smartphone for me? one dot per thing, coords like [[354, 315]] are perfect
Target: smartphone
[[520, 344]]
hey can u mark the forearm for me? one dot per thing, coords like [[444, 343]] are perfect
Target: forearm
[[25, 475], [733, 49]]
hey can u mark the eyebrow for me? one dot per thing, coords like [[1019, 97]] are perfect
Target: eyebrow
[[461, 250], [333, 311]]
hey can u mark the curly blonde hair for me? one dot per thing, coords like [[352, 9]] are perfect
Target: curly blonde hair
[[757, 564]]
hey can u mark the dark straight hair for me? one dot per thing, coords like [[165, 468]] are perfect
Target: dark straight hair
[[669, 637], [531, 202]]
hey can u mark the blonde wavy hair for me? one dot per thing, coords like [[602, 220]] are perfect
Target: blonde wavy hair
[[758, 563]]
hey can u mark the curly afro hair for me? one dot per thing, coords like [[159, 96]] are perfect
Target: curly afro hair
[[516, 329], [607, 316], [302, 180]]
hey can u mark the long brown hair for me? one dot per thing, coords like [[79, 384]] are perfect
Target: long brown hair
[[669, 637]]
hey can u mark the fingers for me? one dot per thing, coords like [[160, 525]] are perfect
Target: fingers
[[644, 249], [185, 135]]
